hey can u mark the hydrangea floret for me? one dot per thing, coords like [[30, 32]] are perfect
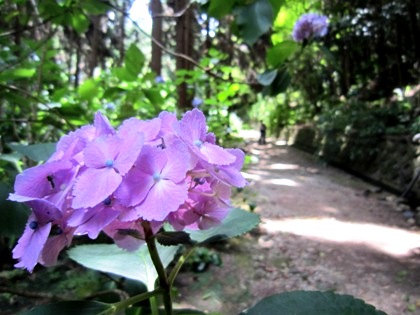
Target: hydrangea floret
[[310, 25], [102, 179], [196, 102]]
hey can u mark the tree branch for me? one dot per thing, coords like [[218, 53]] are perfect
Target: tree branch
[[189, 59], [175, 14], [33, 294], [36, 99]]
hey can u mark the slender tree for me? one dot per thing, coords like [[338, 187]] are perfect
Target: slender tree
[[156, 9], [184, 46]]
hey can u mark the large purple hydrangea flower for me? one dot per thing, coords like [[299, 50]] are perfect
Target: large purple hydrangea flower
[[102, 179], [310, 25]]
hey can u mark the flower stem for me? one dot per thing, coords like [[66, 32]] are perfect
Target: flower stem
[[178, 265], [154, 305], [122, 305], [164, 285]]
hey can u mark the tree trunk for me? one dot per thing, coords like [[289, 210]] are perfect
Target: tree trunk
[[184, 46], [121, 38], [95, 44], [155, 8]]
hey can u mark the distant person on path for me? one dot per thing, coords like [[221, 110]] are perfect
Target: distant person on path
[[263, 130]]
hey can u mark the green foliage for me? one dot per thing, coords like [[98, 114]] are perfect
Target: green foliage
[[134, 60], [221, 97], [201, 258], [267, 77], [72, 307], [220, 8], [13, 215], [358, 127], [279, 84], [135, 265], [36, 152], [236, 223], [312, 303], [254, 20], [279, 53]]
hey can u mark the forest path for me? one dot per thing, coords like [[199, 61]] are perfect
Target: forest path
[[321, 229]]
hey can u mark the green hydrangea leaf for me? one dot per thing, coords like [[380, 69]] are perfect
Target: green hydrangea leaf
[[71, 308], [267, 77], [280, 53], [254, 20], [236, 223], [36, 152], [220, 8], [134, 60], [110, 258], [312, 303]]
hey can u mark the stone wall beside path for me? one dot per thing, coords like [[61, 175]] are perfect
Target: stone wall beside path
[[393, 165]]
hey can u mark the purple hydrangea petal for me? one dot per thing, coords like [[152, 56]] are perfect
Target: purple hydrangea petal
[[134, 188], [129, 148], [176, 165], [163, 198], [193, 126], [229, 174], [125, 240], [101, 150], [222, 191], [216, 155], [44, 211], [30, 245], [54, 246], [43, 180], [192, 130], [211, 138], [214, 219], [69, 146], [170, 124], [93, 221], [183, 217], [150, 128], [19, 198], [102, 125], [211, 213], [93, 186]]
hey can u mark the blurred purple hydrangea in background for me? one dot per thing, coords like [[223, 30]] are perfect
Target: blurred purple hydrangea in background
[[159, 79], [102, 179], [310, 25], [196, 102]]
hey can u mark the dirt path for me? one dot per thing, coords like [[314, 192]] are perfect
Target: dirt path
[[321, 229]]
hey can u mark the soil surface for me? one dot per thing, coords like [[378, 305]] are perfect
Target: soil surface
[[321, 229]]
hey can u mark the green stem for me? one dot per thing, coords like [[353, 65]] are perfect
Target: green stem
[[122, 305], [154, 305], [162, 276], [178, 265]]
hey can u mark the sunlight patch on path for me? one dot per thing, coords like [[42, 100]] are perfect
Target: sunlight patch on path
[[272, 181], [390, 240], [249, 176], [283, 182], [283, 166]]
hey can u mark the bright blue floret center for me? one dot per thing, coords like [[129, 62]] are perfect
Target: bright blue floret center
[[156, 177], [109, 163], [198, 143]]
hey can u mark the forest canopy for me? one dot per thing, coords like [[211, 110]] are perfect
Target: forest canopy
[[61, 61]]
